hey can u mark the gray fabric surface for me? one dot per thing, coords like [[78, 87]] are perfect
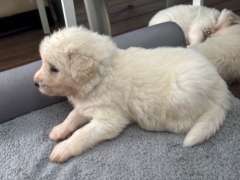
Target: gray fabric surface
[[164, 34], [136, 154]]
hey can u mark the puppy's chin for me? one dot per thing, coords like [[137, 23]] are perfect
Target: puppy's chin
[[47, 91]]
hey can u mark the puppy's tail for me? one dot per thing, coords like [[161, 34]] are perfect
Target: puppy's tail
[[206, 126]]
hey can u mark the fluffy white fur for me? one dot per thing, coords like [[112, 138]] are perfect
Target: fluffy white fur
[[227, 18], [223, 50], [197, 22], [162, 89]]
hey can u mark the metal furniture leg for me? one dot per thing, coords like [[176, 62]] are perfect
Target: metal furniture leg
[[198, 2], [69, 13], [43, 16], [98, 16]]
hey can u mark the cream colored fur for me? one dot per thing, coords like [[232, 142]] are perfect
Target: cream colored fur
[[162, 89], [197, 22], [223, 50], [227, 18]]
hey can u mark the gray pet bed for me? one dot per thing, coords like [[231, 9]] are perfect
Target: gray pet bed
[[135, 154]]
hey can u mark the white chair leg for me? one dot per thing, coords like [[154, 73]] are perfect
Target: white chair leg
[[43, 16], [198, 2], [69, 13], [97, 15]]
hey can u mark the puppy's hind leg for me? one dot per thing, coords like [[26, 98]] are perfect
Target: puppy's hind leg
[[71, 123]]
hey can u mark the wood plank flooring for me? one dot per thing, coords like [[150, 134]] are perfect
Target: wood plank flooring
[[19, 49]]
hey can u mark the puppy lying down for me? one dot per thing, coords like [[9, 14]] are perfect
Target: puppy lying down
[[162, 89], [223, 50], [197, 22]]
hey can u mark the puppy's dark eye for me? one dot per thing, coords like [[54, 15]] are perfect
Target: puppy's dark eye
[[53, 69], [207, 33]]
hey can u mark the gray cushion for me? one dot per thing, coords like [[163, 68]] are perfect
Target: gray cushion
[[134, 155], [165, 34]]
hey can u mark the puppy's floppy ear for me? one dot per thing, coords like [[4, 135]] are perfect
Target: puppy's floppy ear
[[43, 46], [81, 67], [195, 35], [227, 18]]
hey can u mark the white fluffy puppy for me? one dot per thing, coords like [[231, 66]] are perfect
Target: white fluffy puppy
[[163, 89], [197, 22], [223, 50]]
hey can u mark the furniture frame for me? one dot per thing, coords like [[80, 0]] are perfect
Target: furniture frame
[[96, 13]]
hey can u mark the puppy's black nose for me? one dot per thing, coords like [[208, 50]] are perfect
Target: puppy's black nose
[[36, 84]]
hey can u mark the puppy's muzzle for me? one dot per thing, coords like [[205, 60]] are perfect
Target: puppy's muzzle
[[37, 79]]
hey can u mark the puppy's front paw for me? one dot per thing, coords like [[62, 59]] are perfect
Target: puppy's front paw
[[60, 153], [59, 132]]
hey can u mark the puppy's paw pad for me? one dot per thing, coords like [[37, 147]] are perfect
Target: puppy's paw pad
[[60, 153]]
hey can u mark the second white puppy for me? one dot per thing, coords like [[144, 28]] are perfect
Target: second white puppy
[[197, 22], [162, 89]]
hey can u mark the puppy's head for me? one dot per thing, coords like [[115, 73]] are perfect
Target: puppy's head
[[72, 59], [204, 25]]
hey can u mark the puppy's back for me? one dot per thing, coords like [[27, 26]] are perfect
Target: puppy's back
[[146, 68]]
